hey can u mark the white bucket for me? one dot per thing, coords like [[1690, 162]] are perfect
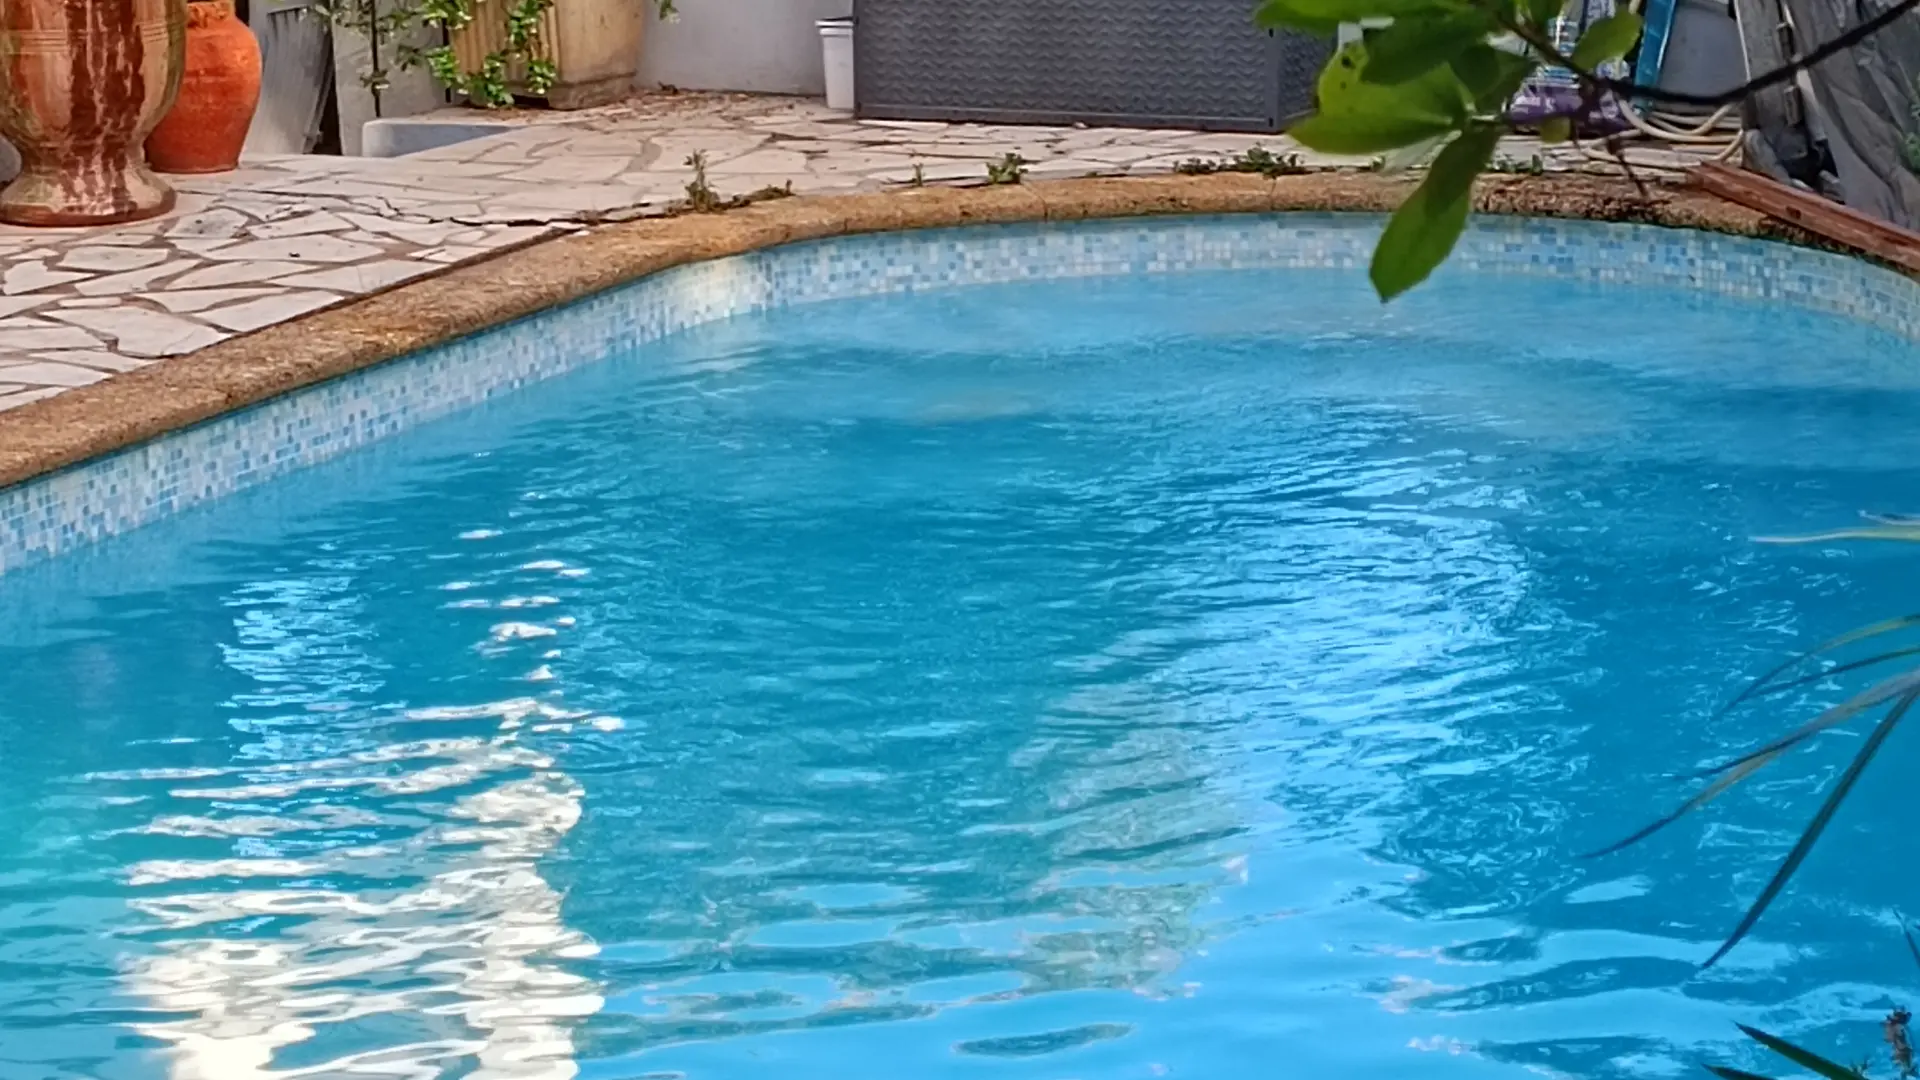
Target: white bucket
[[836, 54]]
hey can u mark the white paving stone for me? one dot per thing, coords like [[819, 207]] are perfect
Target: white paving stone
[[111, 260], [14, 305], [220, 223], [48, 373], [505, 235], [137, 332], [199, 247], [134, 280], [365, 277], [126, 238], [27, 397], [30, 339], [322, 222], [254, 314], [453, 253], [94, 358], [239, 273], [427, 234], [186, 300], [32, 276], [317, 248], [575, 170]]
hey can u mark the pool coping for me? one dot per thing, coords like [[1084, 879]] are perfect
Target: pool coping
[[134, 408]]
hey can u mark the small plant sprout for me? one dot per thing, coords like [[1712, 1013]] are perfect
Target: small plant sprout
[[701, 198], [1256, 159], [1008, 170]]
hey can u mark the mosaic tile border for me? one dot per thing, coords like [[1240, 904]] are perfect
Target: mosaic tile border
[[67, 510]]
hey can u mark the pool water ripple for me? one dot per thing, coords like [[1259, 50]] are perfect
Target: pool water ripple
[[1205, 675]]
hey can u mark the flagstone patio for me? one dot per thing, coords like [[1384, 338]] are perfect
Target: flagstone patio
[[283, 237]]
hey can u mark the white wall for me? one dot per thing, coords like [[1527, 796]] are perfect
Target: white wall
[[295, 57], [764, 46], [412, 92]]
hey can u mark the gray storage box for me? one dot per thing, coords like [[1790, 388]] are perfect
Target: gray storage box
[[1151, 63]]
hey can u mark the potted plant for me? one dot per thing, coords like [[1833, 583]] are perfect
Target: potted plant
[[78, 99], [573, 53], [219, 91]]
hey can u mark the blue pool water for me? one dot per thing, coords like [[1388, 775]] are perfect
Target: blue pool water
[[1208, 675]]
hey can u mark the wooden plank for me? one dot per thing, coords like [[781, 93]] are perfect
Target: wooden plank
[[1821, 216]]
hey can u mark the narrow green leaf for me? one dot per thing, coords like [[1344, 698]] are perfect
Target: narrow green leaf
[[1555, 130], [1806, 1059], [1734, 1074], [1423, 231], [1840, 669], [1799, 855], [1609, 39], [1360, 117], [1905, 532], [1491, 75], [1416, 44], [1719, 787], [1754, 689], [1879, 693]]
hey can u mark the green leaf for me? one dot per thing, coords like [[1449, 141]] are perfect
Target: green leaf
[[1324, 16], [1806, 1059], [1554, 130], [1360, 117], [1824, 674], [1723, 784], [1879, 693], [1355, 136], [1423, 231], [1416, 44], [1758, 686], [1609, 39], [1729, 773], [1805, 845], [1491, 75], [1864, 532], [1734, 1074]]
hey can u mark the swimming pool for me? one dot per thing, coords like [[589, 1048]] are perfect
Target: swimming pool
[[1183, 667]]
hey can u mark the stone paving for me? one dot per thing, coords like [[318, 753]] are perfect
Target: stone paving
[[282, 237]]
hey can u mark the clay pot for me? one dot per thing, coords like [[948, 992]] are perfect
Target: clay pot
[[208, 123], [82, 83]]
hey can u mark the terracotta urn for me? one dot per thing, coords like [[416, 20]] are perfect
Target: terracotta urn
[[219, 92], [82, 83]]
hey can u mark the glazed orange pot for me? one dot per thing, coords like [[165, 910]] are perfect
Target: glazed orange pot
[[208, 124], [82, 83]]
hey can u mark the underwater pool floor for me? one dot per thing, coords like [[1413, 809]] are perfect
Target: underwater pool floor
[[1205, 675]]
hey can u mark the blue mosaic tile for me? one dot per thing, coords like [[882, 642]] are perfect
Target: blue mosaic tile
[[58, 513]]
